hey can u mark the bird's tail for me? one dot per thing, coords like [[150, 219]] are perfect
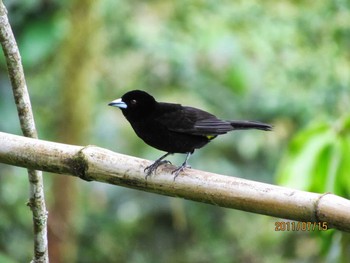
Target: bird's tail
[[245, 125]]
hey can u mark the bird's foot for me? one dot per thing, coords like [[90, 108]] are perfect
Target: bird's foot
[[153, 167], [178, 170]]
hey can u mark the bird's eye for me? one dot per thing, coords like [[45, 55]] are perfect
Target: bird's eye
[[133, 102]]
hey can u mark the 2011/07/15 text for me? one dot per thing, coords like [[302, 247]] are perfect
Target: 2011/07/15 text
[[300, 226]]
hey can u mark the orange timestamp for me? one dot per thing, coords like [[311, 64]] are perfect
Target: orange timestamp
[[300, 226]]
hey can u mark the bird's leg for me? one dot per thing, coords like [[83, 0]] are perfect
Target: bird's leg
[[150, 169], [182, 167]]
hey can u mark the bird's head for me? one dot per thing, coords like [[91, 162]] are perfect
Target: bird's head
[[135, 104]]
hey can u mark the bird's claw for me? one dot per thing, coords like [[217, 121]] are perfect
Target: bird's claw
[[153, 167], [178, 170]]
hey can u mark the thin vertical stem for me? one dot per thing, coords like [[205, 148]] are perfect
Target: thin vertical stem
[[25, 114]]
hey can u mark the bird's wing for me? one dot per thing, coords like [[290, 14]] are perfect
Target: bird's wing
[[194, 121]]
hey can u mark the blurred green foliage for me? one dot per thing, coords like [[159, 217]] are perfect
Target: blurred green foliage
[[285, 63], [318, 159]]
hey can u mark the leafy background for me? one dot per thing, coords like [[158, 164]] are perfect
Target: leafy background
[[286, 63]]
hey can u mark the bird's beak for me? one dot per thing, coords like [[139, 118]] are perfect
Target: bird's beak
[[118, 103]]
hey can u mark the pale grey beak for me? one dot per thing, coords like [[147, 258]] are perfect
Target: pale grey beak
[[118, 103]]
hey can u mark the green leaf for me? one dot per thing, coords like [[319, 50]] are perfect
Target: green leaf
[[318, 160], [307, 151]]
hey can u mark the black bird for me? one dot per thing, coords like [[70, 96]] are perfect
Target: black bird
[[174, 128]]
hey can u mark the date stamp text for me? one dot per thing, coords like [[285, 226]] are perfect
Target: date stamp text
[[300, 226]]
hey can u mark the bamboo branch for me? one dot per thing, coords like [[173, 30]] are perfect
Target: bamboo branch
[[20, 92], [92, 163]]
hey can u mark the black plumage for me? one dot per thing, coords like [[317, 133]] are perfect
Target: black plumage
[[174, 128]]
